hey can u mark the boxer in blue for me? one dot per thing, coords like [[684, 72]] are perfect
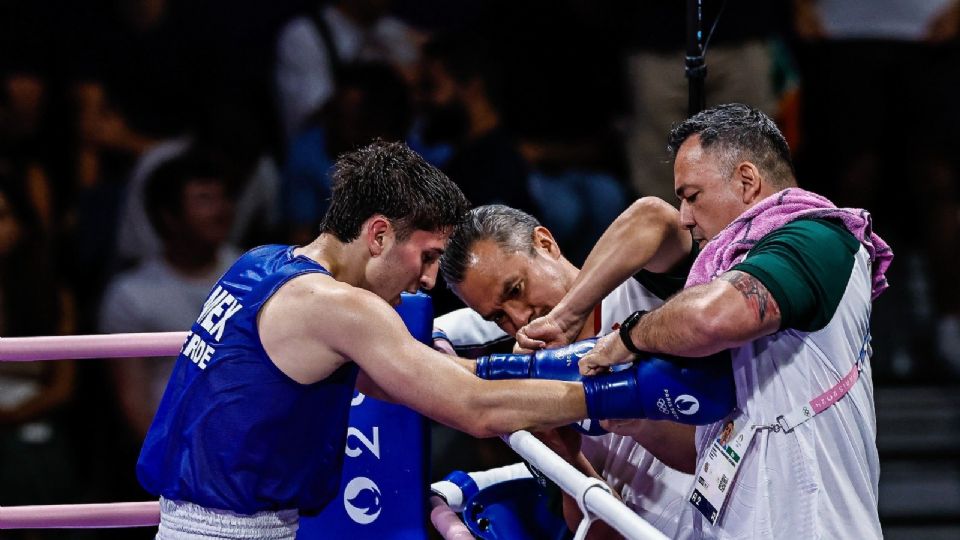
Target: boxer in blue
[[251, 429]]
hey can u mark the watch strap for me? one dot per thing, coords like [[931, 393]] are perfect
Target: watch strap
[[625, 329]]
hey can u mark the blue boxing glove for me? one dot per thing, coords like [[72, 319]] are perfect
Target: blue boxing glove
[[695, 391], [589, 426], [561, 364]]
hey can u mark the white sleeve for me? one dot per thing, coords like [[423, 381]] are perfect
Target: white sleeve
[[628, 297], [470, 335], [597, 450], [304, 77]]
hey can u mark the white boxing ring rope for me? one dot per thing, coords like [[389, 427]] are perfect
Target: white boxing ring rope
[[591, 494]]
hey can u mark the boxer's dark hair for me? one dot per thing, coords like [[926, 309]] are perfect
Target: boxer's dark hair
[[389, 178], [738, 132], [511, 229]]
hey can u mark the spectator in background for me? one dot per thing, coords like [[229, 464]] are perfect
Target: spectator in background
[[36, 463], [561, 98], [889, 69], [371, 101], [312, 50], [739, 69], [462, 90], [128, 95], [459, 92], [190, 202], [28, 42], [579, 204], [228, 135], [127, 89]]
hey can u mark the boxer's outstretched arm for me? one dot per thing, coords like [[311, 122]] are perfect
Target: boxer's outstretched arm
[[647, 235], [436, 386], [339, 321], [366, 385]]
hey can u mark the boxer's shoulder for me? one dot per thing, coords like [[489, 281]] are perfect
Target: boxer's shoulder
[[315, 301], [308, 326]]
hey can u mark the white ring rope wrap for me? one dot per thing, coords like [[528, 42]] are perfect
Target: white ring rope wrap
[[598, 502], [484, 479]]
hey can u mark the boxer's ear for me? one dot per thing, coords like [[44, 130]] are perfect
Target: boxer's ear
[[376, 233]]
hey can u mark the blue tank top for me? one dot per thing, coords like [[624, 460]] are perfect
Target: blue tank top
[[234, 432]]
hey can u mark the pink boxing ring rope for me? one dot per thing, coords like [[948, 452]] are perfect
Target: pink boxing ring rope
[[81, 516], [94, 346], [127, 514], [106, 515], [146, 514], [447, 522]]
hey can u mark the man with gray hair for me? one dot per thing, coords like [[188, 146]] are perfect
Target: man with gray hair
[[509, 269]]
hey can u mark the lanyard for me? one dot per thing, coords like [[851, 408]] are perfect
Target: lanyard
[[789, 421]]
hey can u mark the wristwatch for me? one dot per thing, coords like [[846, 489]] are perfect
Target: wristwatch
[[626, 326]]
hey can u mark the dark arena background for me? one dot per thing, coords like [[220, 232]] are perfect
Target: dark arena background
[[561, 108]]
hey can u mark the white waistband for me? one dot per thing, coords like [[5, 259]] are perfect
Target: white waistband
[[187, 521]]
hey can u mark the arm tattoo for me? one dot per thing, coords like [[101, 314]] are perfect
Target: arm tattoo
[[751, 289]]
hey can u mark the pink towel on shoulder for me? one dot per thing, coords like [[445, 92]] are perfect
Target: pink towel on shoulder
[[739, 237]]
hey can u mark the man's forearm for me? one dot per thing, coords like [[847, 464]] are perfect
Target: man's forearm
[[646, 235], [680, 327], [727, 312]]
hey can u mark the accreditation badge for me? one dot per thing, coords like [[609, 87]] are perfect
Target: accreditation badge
[[717, 472]]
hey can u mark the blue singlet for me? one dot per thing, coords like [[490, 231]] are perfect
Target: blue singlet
[[234, 432]]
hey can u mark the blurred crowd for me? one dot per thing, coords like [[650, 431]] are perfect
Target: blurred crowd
[[145, 143]]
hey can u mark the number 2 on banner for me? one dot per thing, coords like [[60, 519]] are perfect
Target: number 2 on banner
[[372, 446]]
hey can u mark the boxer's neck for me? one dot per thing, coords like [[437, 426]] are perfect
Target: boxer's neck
[[344, 261]]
